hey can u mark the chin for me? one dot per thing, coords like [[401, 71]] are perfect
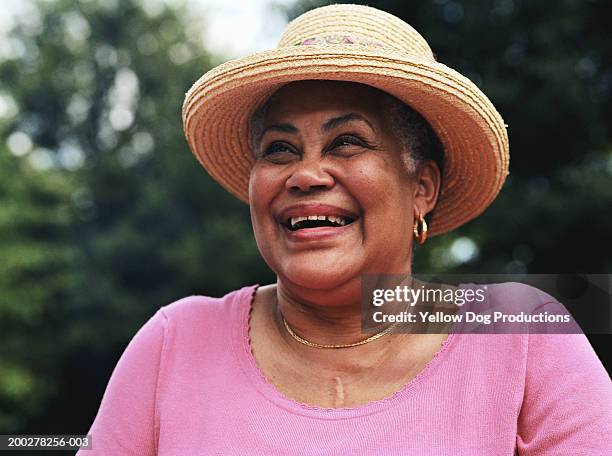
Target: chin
[[317, 275]]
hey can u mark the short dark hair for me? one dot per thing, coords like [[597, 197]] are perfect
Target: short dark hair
[[419, 142], [417, 137]]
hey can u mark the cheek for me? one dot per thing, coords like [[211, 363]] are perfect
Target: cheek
[[385, 195], [378, 182], [263, 188]]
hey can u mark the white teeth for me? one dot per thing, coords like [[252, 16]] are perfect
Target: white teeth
[[295, 220], [337, 220]]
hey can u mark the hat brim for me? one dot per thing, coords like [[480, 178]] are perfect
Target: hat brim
[[218, 107]]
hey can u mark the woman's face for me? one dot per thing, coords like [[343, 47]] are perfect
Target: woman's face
[[330, 199]]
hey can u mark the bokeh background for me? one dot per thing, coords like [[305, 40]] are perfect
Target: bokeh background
[[105, 215]]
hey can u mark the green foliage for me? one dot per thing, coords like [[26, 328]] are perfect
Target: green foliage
[[105, 215], [36, 276]]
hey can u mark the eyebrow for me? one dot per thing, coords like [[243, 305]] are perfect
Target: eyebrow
[[330, 124], [282, 127], [335, 122]]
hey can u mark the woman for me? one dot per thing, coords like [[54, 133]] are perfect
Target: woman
[[343, 178]]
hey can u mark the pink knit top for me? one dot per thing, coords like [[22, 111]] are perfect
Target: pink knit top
[[187, 384]]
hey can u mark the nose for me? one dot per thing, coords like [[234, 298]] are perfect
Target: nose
[[308, 175]]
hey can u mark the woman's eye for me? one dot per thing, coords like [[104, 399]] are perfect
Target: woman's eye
[[347, 141], [278, 151]]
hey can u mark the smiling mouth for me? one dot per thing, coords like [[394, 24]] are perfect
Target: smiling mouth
[[317, 221]]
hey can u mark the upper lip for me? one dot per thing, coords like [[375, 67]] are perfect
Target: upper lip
[[306, 209]]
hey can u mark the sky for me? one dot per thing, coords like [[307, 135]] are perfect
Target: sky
[[256, 22]]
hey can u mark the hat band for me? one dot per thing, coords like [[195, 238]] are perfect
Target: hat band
[[340, 39]]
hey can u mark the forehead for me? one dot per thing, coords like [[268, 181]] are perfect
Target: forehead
[[320, 97]]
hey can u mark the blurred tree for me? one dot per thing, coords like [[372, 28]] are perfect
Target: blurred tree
[[104, 213], [36, 274], [547, 67]]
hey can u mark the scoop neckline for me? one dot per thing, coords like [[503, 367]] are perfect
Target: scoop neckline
[[257, 379]]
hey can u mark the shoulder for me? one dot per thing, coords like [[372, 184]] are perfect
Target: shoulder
[[519, 293], [515, 300], [567, 399], [551, 350], [195, 305], [508, 295], [202, 311]]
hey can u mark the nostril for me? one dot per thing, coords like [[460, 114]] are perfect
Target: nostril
[[309, 188], [307, 177]]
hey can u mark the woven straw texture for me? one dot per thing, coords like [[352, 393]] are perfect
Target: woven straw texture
[[365, 45]]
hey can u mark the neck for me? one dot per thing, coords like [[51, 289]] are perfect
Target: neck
[[323, 317]]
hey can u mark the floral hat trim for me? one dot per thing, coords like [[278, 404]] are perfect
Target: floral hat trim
[[340, 39]]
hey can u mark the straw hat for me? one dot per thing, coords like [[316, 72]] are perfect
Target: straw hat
[[365, 45]]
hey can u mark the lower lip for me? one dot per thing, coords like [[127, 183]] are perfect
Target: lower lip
[[317, 234]]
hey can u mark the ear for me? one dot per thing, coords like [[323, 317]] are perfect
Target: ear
[[427, 187]]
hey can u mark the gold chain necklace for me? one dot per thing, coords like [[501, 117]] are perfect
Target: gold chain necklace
[[355, 344]]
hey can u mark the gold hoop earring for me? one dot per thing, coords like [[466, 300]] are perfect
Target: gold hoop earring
[[420, 232]]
